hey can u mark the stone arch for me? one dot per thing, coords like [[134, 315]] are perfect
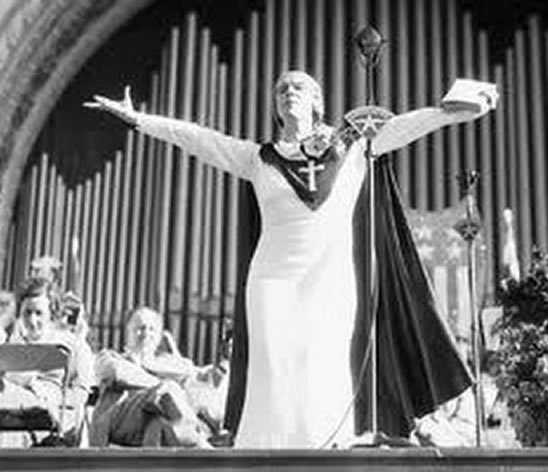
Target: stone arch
[[43, 45]]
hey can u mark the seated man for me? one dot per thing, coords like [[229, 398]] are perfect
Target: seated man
[[142, 402], [39, 311]]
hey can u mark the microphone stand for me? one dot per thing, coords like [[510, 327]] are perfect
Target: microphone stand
[[370, 52], [367, 121]]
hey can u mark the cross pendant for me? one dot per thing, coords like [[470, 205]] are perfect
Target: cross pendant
[[310, 170]]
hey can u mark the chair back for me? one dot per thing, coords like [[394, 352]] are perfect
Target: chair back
[[34, 357], [27, 357]]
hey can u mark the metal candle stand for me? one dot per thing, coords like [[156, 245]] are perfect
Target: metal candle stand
[[469, 227]]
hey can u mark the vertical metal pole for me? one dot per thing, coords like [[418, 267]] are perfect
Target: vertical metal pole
[[85, 235], [147, 241], [166, 176], [218, 217], [283, 36], [206, 303], [486, 169], [453, 47], [159, 162], [67, 230], [383, 86], [370, 100], [419, 52], [438, 177], [267, 73], [538, 124], [100, 308], [468, 52], [137, 186], [359, 13], [510, 145], [14, 231], [318, 33], [337, 90], [50, 209], [198, 199], [501, 170], [403, 161], [523, 125], [299, 50], [113, 246], [476, 340], [178, 289], [73, 262], [39, 229], [19, 249], [93, 262], [31, 227], [120, 295], [59, 218], [235, 86]]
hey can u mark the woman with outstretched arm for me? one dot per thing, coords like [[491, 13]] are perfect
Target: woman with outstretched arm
[[301, 292]]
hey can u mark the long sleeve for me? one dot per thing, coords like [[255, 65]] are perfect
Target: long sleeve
[[408, 127], [237, 156], [112, 368], [83, 362]]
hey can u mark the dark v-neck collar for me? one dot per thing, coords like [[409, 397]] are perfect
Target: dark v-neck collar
[[298, 174]]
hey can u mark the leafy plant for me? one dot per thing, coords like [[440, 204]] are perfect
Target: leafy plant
[[522, 357]]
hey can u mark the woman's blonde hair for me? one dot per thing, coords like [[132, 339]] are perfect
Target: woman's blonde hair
[[318, 106]]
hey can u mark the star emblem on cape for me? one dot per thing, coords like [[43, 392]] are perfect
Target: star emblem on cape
[[367, 121], [313, 179]]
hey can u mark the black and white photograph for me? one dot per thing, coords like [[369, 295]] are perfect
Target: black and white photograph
[[284, 235]]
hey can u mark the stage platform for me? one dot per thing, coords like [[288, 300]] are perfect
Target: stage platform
[[401, 460]]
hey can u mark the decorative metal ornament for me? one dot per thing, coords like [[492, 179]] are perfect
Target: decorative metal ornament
[[367, 121], [315, 145], [468, 228]]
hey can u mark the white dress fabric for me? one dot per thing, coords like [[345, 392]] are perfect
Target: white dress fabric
[[300, 295], [301, 291]]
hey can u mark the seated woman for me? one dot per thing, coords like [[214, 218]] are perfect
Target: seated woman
[[40, 309], [142, 402]]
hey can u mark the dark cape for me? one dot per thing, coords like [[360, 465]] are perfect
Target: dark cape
[[418, 363]]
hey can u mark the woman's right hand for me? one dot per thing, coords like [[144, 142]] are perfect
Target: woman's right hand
[[123, 109]]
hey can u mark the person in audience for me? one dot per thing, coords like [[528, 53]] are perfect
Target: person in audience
[[40, 308], [7, 314], [142, 400], [73, 316], [47, 267]]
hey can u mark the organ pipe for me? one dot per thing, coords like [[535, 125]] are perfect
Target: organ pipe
[[158, 227]]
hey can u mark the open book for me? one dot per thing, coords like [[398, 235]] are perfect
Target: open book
[[467, 94]]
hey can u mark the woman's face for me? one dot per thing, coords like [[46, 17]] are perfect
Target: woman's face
[[146, 332], [36, 315], [296, 96]]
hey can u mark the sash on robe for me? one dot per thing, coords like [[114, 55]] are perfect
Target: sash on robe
[[298, 174]]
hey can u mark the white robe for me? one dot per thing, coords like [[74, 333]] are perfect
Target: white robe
[[301, 291]]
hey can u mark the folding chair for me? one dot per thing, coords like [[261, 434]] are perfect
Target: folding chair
[[35, 357]]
